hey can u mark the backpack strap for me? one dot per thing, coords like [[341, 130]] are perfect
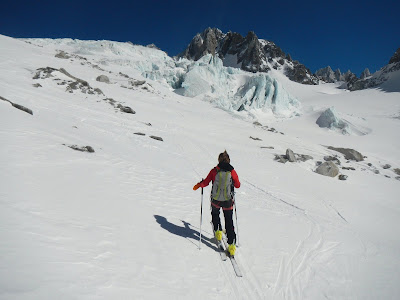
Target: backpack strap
[[225, 185]]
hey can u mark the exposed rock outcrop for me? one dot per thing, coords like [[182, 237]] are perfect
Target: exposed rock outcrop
[[327, 74], [157, 138], [290, 156], [334, 159], [63, 55], [74, 84], [395, 58], [71, 85], [248, 53], [203, 43], [338, 75], [103, 78], [81, 148], [255, 138], [378, 77], [366, 73], [299, 73], [348, 153], [328, 169], [126, 109], [18, 106]]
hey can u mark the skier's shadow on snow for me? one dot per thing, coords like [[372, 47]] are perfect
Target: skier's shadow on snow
[[185, 231]]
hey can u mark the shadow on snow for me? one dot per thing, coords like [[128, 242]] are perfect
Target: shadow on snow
[[185, 231]]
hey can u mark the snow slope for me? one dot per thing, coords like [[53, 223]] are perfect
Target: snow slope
[[123, 222], [228, 88]]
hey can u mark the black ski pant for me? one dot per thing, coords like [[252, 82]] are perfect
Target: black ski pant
[[230, 229]]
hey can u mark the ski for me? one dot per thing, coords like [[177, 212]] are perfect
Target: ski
[[222, 251], [224, 254], [220, 247], [233, 260], [235, 266]]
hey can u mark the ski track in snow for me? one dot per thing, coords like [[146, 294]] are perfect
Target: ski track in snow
[[246, 287], [297, 272], [294, 272], [274, 197]]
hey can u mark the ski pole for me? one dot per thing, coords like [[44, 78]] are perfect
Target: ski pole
[[237, 226], [201, 215]]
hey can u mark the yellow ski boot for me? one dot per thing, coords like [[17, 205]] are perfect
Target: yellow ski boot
[[218, 235], [232, 249]]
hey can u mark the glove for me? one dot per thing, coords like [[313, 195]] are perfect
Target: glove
[[196, 186]]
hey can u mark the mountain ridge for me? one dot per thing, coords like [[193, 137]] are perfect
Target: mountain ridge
[[252, 54]]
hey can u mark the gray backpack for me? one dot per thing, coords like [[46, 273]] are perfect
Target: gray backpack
[[222, 187]]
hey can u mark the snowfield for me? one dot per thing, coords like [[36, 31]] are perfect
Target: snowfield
[[124, 223]]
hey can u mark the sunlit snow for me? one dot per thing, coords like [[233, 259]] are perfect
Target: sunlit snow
[[123, 222]]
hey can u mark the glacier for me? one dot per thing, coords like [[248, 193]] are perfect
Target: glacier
[[343, 123], [330, 119], [227, 87]]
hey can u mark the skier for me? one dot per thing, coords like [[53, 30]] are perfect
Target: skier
[[224, 178]]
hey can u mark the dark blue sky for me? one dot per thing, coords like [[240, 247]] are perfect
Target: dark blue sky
[[343, 34]]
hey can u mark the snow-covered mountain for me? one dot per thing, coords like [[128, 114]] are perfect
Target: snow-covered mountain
[[386, 77], [228, 88], [254, 55], [247, 53], [327, 75], [367, 80], [102, 142]]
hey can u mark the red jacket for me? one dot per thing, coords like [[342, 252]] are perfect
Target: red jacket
[[213, 173]]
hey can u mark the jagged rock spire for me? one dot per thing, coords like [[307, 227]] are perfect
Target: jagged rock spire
[[395, 58], [252, 54], [203, 43], [366, 73]]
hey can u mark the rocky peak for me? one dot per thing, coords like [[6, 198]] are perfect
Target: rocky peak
[[366, 73], [252, 54], [273, 51], [338, 75], [212, 38], [230, 44], [326, 74], [349, 76], [251, 37], [378, 77], [330, 76], [395, 58], [203, 43], [257, 55], [300, 73]]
